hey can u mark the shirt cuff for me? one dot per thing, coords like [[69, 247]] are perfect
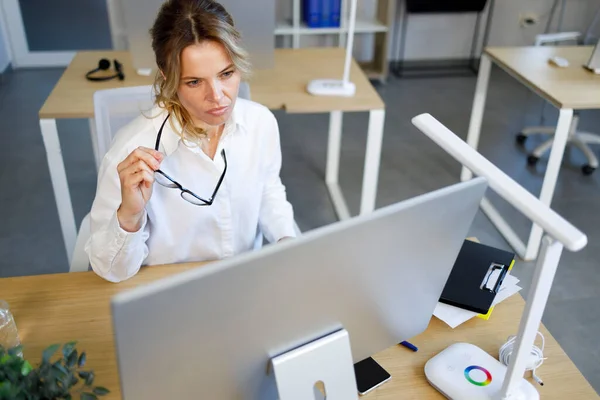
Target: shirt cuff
[[122, 235], [283, 230]]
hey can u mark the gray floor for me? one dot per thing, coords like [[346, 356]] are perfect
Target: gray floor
[[30, 240]]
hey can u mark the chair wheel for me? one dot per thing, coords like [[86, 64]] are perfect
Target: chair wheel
[[587, 169], [521, 138], [532, 160]]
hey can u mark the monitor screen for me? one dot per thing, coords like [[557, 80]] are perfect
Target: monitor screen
[[254, 19]]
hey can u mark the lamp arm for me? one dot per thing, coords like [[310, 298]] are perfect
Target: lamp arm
[[520, 198], [350, 41], [559, 233]]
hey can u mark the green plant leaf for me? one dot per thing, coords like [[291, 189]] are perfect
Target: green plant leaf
[[82, 360], [5, 359], [72, 359], [68, 349], [49, 352], [83, 374], [50, 388], [101, 391], [55, 375], [26, 368], [64, 383], [58, 366], [44, 368], [90, 379], [6, 389], [88, 396]]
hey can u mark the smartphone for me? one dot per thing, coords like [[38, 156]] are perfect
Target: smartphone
[[369, 375]]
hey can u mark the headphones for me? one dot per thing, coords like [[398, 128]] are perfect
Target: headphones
[[104, 65]]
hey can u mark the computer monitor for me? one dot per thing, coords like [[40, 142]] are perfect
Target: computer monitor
[[212, 332], [254, 19]]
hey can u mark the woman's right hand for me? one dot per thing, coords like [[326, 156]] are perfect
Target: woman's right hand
[[136, 174]]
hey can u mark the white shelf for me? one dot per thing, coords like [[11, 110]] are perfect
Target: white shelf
[[362, 26]]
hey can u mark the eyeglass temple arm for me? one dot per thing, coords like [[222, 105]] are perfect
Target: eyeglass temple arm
[[222, 176], [160, 133]]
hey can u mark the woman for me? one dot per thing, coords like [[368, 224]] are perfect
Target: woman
[[225, 151]]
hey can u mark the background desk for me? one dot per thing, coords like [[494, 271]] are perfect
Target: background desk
[[568, 89], [283, 87], [63, 307]]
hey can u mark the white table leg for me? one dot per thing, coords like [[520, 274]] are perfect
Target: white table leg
[[556, 155], [58, 177], [93, 136], [333, 165], [372, 161], [334, 147], [477, 110]]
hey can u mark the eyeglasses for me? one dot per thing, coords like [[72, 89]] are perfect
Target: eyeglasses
[[186, 194]]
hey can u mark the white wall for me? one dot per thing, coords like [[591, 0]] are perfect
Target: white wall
[[5, 57], [449, 36]]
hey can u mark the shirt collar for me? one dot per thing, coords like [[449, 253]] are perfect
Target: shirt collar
[[170, 139]]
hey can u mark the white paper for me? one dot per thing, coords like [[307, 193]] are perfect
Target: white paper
[[508, 288], [454, 316], [509, 280]]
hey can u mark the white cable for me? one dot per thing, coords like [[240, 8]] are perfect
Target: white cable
[[536, 357]]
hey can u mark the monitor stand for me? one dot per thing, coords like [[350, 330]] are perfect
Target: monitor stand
[[327, 360]]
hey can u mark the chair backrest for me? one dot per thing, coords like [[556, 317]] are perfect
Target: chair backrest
[[115, 108]]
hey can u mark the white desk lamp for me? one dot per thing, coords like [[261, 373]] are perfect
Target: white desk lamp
[[336, 87], [559, 233]]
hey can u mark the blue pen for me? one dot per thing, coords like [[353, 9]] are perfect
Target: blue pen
[[409, 346]]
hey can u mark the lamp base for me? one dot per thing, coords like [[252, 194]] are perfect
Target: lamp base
[[465, 372], [331, 87]]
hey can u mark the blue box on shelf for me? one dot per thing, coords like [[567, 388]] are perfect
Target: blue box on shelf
[[312, 13], [330, 11], [322, 13]]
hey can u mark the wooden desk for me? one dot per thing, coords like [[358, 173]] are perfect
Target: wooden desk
[[283, 87], [571, 87], [568, 89], [59, 308]]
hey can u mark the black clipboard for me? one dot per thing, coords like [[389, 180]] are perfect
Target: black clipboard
[[476, 277]]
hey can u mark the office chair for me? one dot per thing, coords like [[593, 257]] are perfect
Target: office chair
[[579, 139], [113, 109]]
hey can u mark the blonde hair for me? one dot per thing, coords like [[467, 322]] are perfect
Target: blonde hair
[[181, 23]]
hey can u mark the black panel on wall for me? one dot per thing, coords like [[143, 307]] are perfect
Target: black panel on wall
[[444, 6]]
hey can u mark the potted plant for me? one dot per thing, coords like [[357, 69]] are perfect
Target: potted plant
[[60, 379]]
